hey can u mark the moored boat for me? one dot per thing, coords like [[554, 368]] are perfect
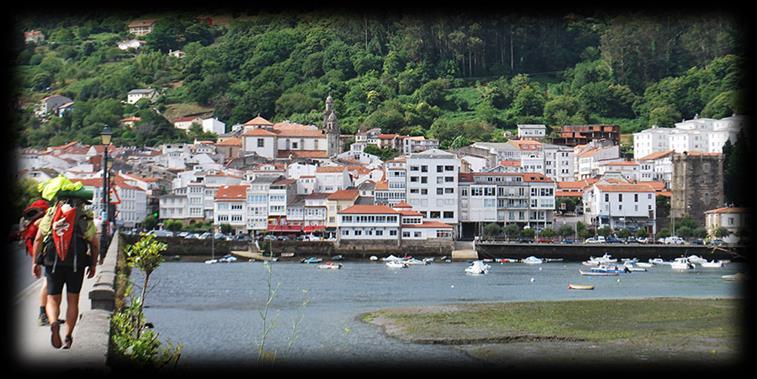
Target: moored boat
[[477, 268], [532, 261], [645, 265], [373, 258], [681, 264], [737, 277], [713, 264], [396, 264], [506, 260], [580, 287], [311, 260], [598, 273], [330, 265], [337, 258]]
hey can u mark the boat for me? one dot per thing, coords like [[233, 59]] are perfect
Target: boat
[[590, 263], [310, 260], [287, 255], [713, 264], [580, 287], [532, 261], [645, 265], [391, 258], [488, 260], [330, 265], [337, 258], [477, 268], [633, 268], [603, 259], [696, 259], [413, 262], [373, 258], [396, 264], [211, 261], [598, 273], [737, 277], [506, 260], [428, 260], [553, 260], [632, 261], [681, 264], [613, 268], [227, 259]]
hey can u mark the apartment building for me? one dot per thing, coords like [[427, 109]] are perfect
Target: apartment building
[[432, 185]]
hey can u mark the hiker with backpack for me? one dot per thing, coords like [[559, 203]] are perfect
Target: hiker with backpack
[[67, 246], [28, 226]]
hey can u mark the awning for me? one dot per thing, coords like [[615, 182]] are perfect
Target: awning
[[284, 228], [313, 228]]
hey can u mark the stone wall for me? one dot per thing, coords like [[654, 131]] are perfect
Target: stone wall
[[583, 252]]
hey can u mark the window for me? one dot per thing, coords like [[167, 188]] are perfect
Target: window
[[358, 232], [424, 179], [405, 234], [417, 234], [435, 214], [439, 168], [392, 232], [424, 168], [636, 198], [449, 179], [449, 190], [449, 168], [607, 197], [620, 197], [424, 191], [345, 232], [449, 214], [379, 232], [440, 191], [261, 142]]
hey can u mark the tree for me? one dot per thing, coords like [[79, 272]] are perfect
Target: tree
[[663, 233], [641, 233], [548, 233], [511, 231], [566, 231], [721, 232], [492, 230], [604, 231], [226, 228], [527, 233], [623, 233]]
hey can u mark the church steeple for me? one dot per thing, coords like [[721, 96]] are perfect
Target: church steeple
[[331, 127]]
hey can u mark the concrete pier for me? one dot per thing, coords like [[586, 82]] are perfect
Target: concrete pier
[[89, 351]]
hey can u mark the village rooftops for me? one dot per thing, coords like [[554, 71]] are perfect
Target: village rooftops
[[656, 155], [625, 188], [318, 196], [236, 192], [428, 224], [142, 23], [345, 194], [330, 169], [728, 210]]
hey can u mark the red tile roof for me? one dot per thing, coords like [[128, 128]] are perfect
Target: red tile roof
[[236, 192], [330, 169], [656, 155], [428, 225], [625, 188], [258, 121], [346, 194], [302, 154], [727, 210], [536, 177]]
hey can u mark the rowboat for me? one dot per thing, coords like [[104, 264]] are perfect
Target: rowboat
[[734, 277], [396, 264], [311, 260], [598, 273], [330, 265], [580, 287], [604, 268], [373, 258]]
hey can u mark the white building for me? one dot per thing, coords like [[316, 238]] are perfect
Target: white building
[[142, 93], [657, 166], [368, 222], [417, 144], [230, 207], [699, 134], [620, 205], [432, 185], [530, 131], [731, 218], [332, 178]]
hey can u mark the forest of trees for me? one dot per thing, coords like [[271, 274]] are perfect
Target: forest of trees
[[458, 78]]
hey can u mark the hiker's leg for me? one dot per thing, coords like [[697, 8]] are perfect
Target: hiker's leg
[[73, 287], [54, 290], [43, 294], [72, 311], [53, 308]]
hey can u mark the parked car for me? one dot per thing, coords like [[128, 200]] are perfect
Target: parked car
[[568, 241], [269, 237], [716, 242], [283, 238], [525, 240], [242, 237], [161, 233], [674, 240], [698, 241], [544, 240], [219, 236], [597, 239], [612, 239], [205, 236], [183, 234], [642, 240]]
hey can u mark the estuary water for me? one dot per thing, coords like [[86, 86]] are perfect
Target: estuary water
[[215, 310]]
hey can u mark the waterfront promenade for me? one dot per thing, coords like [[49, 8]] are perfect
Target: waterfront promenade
[[92, 333]]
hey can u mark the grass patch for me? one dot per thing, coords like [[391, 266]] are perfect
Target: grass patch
[[174, 111]]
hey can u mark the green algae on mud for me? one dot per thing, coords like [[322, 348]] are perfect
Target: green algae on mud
[[651, 330]]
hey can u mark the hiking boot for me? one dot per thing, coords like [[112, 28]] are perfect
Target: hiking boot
[[55, 335], [42, 320], [67, 342]]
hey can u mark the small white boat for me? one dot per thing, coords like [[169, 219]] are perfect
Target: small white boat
[[227, 259], [645, 265], [590, 263], [696, 259], [636, 269], [211, 261], [428, 260], [373, 258], [713, 264], [737, 277], [658, 261], [598, 273], [681, 264], [391, 258], [396, 264], [532, 261], [477, 268], [580, 287], [413, 262], [330, 266]]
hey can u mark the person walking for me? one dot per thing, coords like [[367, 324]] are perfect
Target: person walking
[[28, 226], [67, 246]]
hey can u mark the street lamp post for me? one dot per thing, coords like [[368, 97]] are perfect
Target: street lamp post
[[105, 137]]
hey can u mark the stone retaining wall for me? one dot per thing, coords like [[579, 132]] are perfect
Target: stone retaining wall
[[582, 252]]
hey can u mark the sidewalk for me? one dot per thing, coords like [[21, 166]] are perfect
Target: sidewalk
[[91, 335]]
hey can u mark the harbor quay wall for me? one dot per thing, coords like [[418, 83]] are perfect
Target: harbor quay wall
[[583, 252], [193, 249]]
